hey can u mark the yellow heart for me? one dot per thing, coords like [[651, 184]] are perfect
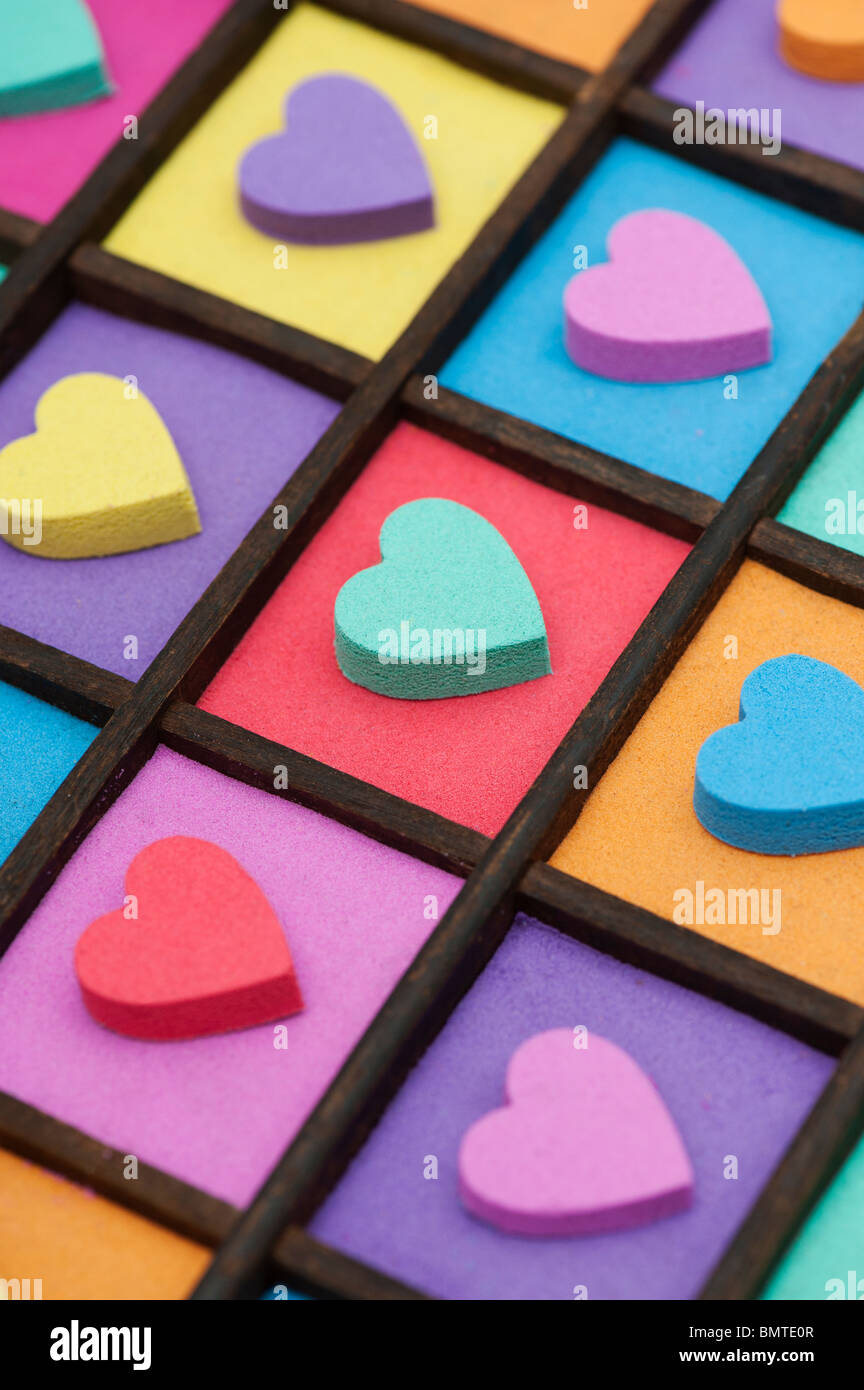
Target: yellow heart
[[101, 469], [824, 38]]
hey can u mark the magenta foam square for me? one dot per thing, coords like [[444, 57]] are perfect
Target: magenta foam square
[[216, 1112]]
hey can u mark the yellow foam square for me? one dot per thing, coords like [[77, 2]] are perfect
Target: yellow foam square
[[186, 222], [638, 836], [83, 1247]]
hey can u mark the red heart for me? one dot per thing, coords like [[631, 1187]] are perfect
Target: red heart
[[206, 953]]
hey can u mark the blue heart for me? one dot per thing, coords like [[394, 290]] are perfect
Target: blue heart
[[789, 777]]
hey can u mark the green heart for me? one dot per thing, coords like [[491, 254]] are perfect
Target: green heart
[[448, 611], [50, 56]]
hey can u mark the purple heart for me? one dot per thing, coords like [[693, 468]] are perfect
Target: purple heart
[[346, 169]]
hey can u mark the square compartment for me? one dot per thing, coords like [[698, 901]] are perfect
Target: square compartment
[[240, 430], [41, 745], [215, 1111], [515, 359], [828, 502], [46, 157], [588, 35], [187, 222], [638, 836], [730, 59], [81, 1246], [733, 1087], [470, 758]]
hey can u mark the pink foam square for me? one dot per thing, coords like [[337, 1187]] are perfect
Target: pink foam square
[[45, 158], [216, 1111], [470, 758]]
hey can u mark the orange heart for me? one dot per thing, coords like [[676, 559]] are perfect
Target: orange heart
[[824, 38]]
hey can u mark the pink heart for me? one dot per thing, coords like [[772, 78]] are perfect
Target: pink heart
[[584, 1144], [674, 302]]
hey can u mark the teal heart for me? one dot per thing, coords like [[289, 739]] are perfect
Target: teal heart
[[448, 611], [50, 56]]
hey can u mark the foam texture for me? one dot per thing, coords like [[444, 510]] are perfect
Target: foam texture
[[195, 949], [692, 432], [85, 1248], [638, 835], [104, 468], [824, 1260], [825, 40], [50, 56], [44, 158], [462, 758], [588, 37], [730, 59], [829, 500], [346, 169], [361, 296], [240, 430], [732, 1086], [786, 779], [584, 1144], [216, 1112], [40, 746], [443, 568], [673, 303]]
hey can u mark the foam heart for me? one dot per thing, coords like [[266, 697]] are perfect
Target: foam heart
[[673, 303], [104, 469], [584, 1144], [205, 954], [448, 611], [789, 777], [346, 169], [824, 38], [50, 56]]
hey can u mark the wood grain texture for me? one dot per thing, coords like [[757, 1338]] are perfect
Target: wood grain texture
[[560, 463], [122, 287], [649, 942], [819, 564], [254, 760], [298, 1260], [809, 181]]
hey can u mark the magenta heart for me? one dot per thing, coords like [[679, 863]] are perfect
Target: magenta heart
[[674, 302], [345, 169], [584, 1144]]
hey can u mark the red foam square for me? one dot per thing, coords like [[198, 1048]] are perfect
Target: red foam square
[[470, 758]]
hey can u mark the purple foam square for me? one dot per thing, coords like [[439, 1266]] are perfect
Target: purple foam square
[[733, 1086], [241, 431], [730, 60]]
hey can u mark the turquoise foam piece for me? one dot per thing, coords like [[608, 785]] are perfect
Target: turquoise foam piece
[[2, 273], [829, 500], [444, 570], [789, 777], [826, 1259], [50, 56], [39, 746]]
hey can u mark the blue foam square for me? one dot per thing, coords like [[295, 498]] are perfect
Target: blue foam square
[[811, 274], [39, 746]]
